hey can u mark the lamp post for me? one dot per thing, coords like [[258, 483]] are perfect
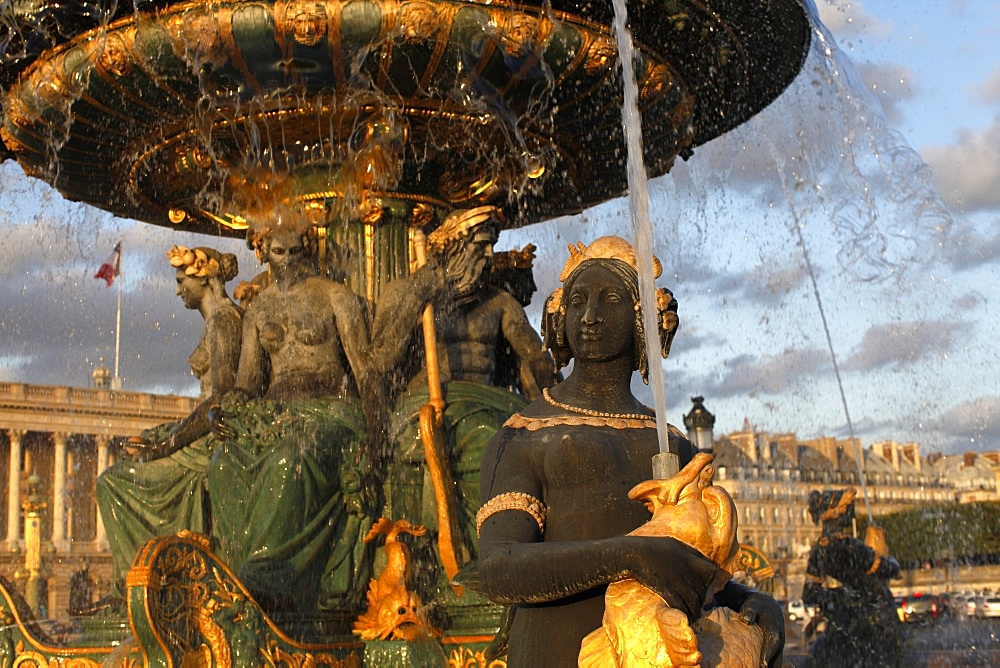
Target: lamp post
[[700, 423], [34, 567]]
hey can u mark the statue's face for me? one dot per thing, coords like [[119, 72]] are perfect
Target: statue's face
[[190, 289], [284, 249], [470, 267], [600, 316]]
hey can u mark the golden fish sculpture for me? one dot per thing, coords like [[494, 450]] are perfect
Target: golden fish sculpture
[[640, 628]]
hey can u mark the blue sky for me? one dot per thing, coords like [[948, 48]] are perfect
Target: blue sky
[[884, 154]]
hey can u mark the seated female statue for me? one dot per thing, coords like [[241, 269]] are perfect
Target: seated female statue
[[555, 479], [159, 488], [287, 481]]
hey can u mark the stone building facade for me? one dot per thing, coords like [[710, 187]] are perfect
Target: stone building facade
[[67, 437]]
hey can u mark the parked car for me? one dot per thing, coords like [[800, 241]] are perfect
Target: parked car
[[797, 609], [962, 604], [917, 608], [988, 606]]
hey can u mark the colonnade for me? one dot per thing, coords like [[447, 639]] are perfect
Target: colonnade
[[60, 506]]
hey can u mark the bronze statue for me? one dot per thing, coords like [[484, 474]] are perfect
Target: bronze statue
[[471, 320], [159, 488], [565, 464], [848, 580], [289, 481]]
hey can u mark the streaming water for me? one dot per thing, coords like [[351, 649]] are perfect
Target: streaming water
[[642, 228]]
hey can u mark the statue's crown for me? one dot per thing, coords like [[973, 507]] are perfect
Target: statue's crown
[[604, 248]]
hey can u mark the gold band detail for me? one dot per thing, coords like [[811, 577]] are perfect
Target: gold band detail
[[875, 565], [518, 421], [512, 501], [138, 576]]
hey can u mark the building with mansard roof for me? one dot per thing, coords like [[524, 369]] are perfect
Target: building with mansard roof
[[770, 477]]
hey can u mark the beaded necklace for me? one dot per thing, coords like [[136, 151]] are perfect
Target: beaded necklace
[[593, 413]]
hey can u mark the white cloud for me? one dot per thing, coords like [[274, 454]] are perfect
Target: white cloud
[[968, 171], [973, 422], [902, 344], [770, 375], [891, 84], [851, 19], [988, 91]]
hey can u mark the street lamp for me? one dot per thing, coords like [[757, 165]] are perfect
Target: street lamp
[[699, 423]]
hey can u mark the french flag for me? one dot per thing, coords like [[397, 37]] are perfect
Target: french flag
[[112, 267]]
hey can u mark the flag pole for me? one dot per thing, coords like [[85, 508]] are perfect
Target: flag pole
[[116, 383]]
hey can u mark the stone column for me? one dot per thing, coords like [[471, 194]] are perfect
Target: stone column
[[59, 492], [14, 488], [101, 538]]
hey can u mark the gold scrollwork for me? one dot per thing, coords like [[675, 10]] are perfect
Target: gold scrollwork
[[31, 659], [278, 656], [463, 657], [305, 21]]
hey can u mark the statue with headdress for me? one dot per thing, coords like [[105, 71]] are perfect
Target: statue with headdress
[[459, 357], [848, 580]]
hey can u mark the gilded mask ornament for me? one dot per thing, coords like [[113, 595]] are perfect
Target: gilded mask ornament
[[601, 54], [520, 35], [419, 22], [115, 57], [306, 22], [658, 80], [194, 38]]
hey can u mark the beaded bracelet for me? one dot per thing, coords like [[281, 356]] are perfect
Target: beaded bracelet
[[512, 501]]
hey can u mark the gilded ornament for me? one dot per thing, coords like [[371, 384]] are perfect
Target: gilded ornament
[[657, 82], [115, 56], [515, 259], [601, 55], [512, 501], [463, 657], [306, 21], [458, 224], [606, 248], [394, 612], [519, 35], [419, 22], [639, 627], [194, 38], [195, 262], [422, 215]]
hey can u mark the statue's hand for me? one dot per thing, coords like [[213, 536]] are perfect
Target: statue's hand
[[142, 449], [217, 421], [675, 571], [134, 446], [763, 611]]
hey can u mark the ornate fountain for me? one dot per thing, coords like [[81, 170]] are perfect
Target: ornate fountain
[[375, 120]]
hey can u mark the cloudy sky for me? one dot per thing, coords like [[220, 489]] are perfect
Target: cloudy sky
[[872, 187]]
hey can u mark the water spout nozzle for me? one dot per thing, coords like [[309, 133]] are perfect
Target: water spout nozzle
[[666, 465]]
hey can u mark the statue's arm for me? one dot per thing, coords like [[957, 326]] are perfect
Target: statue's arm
[[533, 359], [398, 313], [350, 322], [250, 372], [516, 566], [224, 354], [224, 350]]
